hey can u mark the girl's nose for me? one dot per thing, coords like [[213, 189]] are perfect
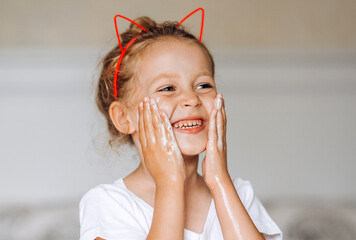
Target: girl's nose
[[190, 100]]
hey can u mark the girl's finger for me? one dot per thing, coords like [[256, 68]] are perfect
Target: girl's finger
[[212, 133], [220, 124], [141, 132], [157, 124], [224, 115], [147, 122], [167, 126], [154, 114], [223, 110], [171, 140]]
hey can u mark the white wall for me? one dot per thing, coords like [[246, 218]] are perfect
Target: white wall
[[291, 121]]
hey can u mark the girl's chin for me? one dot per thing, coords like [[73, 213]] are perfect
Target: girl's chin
[[192, 150], [191, 145]]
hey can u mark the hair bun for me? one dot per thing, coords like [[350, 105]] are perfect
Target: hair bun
[[143, 21]]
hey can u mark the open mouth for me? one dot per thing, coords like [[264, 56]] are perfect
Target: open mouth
[[188, 124]]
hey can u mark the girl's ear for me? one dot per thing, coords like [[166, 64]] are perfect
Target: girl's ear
[[120, 118]]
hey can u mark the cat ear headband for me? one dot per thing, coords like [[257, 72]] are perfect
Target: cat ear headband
[[123, 50]]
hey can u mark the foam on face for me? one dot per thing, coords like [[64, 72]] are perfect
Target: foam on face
[[163, 136], [153, 138], [172, 148], [160, 125]]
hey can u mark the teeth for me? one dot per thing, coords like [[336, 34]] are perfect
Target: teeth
[[188, 124]]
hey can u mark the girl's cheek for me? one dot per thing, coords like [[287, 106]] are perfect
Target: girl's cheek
[[209, 104], [162, 105]]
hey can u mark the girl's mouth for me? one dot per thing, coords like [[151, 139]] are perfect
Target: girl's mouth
[[190, 126]]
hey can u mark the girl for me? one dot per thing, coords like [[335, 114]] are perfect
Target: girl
[[166, 104]]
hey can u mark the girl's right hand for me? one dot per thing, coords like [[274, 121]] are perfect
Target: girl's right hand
[[160, 150]]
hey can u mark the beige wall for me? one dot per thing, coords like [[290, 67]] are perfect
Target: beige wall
[[252, 24]]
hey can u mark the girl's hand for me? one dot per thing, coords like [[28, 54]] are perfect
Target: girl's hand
[[160, 150], [214, 166]]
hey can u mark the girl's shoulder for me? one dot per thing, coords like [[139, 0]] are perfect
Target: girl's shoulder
[[256, 210], [244, 188], [118, 190], [117, 194], [240, 182], [108, 195], [109, 211], [246, 193]]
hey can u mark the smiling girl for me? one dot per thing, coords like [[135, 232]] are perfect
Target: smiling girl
[[167, 105]]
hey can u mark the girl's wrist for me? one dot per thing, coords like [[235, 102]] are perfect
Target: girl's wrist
[[217, 181]]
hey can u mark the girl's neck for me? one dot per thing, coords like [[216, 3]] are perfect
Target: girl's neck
[[191, 167]]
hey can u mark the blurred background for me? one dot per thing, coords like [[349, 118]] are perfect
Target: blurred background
[[287, 70]]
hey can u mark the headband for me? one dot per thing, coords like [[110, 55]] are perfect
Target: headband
[[123, 50]]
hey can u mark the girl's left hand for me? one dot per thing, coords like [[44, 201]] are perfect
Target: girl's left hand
[[214, 165]]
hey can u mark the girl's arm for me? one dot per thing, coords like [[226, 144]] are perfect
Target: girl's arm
[[168, 216], [166, 165], [234, 220]]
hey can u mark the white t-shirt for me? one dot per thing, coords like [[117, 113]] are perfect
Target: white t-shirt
[[113, 212]]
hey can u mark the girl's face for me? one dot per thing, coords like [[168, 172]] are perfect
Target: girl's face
[[178, 76]]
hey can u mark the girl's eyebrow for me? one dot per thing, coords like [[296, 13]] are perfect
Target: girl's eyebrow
[[165, 75], [168, 75]]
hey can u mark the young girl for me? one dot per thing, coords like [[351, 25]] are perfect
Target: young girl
[[166, 104]]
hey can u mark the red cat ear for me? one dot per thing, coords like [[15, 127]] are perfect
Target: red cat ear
[[117, 32], [202, 21], [123, 50]]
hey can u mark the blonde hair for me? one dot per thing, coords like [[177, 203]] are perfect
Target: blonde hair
[[126, 75]]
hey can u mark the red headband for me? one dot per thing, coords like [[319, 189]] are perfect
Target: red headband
[[123, 51]]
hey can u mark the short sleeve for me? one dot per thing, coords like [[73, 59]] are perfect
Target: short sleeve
[[102, 215], [257, 212]]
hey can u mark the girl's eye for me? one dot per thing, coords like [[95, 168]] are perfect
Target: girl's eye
[[205, 85], [169, 88]]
